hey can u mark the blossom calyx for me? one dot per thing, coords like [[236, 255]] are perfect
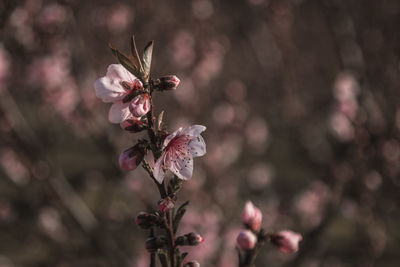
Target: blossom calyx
[[246, 240], [251, 217], [190, 239], [165, 83], [140, 105], [146, 220], [154, 243], [165, 204], [287, 241], [133, 125], [131, 158], [192, 264]]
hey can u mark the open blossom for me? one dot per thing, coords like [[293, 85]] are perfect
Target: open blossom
[[251, 216], [178, 151], [246, 240], [287, 241], [117, 87]]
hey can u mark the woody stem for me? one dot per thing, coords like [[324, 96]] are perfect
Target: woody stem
[[151, 131]]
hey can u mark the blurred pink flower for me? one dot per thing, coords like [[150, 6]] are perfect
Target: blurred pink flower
[[116, 88], [287, 241], [52, 16], [119, 17], [341, 127], [179, 149], [251, 216], [246, 240], [310, 204]]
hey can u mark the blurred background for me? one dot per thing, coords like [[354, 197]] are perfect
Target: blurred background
[[300, 98]]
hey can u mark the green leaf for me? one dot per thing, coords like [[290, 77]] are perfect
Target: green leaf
[[184, 254], [179, 215], [125, 61], [162, 256], [147, 56], [160, 120], [134, 57]]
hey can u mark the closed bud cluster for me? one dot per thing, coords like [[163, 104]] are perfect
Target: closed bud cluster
[[146, 220], [165, 83], [251, 217], [140, 105], [287, 241], [132, 157], [165, 204], [133, 125], [190, 239], [246, 240], [192, 264], [154, 243]]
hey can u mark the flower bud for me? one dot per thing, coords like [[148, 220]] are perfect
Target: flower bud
[[146, 220], [140, 105], [169, 82], [165, 204], [190, 239], [133, 125], [246, 240], [251, 217], [192, 264], [131, 158], [287, 241], [154, 243]]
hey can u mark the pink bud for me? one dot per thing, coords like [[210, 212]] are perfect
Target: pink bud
[[165, 204], [190, 239], [169, 82], [140, 105], [192, 264], [287, 241], [131, 158], [246, 240], [251, 216], [194, 239]]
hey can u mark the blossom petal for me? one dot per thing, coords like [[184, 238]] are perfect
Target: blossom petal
[[194, 130], [182, 165], [109, 87], [171, 136], [159, 172], [197, 146], [119, 112]]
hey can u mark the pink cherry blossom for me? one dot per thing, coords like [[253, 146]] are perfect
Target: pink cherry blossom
[[246, 240], [287, 241], [178, 151], [140, 105], [116, 87], [251, 216]]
